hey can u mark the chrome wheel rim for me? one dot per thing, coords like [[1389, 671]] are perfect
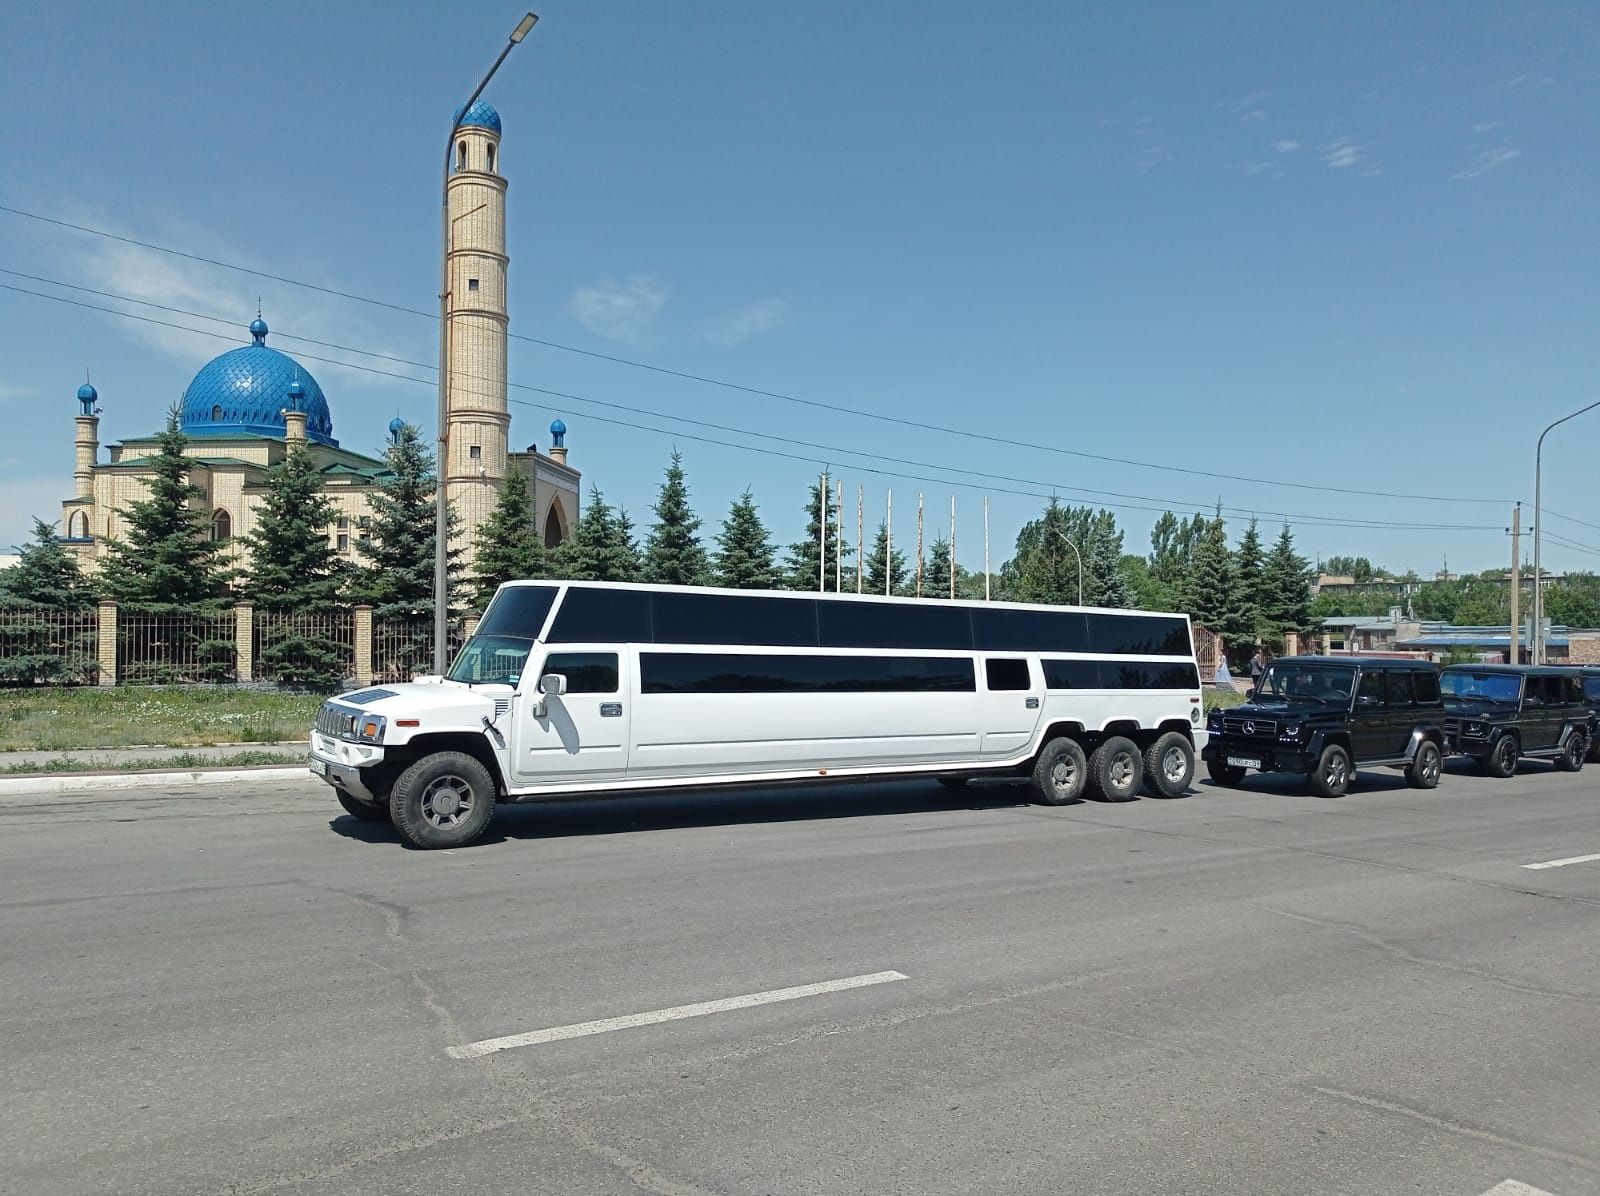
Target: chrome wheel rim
[[1064, 774], [1336, 772], [447, 802], [1121, 770], [1430, 766], [1173, 765]]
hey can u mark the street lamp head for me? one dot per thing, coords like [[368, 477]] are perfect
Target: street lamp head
[[524, 27]]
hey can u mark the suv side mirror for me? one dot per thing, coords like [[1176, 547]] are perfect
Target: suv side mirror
[[1250, 694], [551, 685]]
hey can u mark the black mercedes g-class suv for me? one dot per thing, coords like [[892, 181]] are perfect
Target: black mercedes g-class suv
[[1499, 713], [1590, 675], [1326, 716]]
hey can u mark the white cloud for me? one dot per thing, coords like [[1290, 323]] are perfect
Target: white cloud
[[1269, 167], [1487, 126], [1488, 160], [620, 311], [1286, 145], [1342, 153], [742, 323]]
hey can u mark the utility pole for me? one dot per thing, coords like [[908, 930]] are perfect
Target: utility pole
[[861, 544], [985, 550], [1515, 655], [888, 548], [919, 544], [823, 490]]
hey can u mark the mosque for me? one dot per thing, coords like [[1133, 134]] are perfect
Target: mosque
[[244, 410]]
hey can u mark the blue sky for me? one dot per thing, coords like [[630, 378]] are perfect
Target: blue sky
[[1352, 246]]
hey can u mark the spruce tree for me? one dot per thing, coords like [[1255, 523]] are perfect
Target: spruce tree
[[744, 559], [398, 542], [673, 554], [883, 568], [509, 547], [1104, 581], [936, 578], [601, 547], [293, 567], [1250, 583], [1286, 588], [805, 557], [1210, 594], [168, 557], [46, 575]]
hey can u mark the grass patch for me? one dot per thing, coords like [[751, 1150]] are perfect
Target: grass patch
[[1221, 699], [52, 720], [182, 762]]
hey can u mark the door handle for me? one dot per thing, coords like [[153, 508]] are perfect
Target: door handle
[[1033, 703], [610, 709]]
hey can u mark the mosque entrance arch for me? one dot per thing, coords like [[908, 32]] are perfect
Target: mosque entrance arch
[[555, 524]]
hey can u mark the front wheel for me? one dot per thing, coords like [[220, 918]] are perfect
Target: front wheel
[[1575, 753], [1229, 776], [1502, 758], [1060, 772], [1169, 765], [1425, 767], [364, 810], [1116, 770], [443, 800], [1331, 776]]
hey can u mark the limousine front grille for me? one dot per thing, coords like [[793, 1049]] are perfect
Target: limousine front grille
[[1249, 728], [336, 721]]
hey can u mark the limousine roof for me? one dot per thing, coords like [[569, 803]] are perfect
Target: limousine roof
[[846, 597]]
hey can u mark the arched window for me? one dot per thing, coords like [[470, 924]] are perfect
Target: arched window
[[216, 414], [553, 532], [221, 525], [491, 158], [461, 155], [77, 526]]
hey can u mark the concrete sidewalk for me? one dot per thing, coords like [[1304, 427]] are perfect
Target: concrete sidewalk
[[95, 758]]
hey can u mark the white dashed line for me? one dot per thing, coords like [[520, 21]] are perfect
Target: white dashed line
[[1576, 859], [476, 1050]]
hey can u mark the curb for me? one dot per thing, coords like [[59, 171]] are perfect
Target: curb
[[104, 782]]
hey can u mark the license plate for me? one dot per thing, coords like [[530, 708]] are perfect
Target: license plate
[[320, 767], [1244, 762]]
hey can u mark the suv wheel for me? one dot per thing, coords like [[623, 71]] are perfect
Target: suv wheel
[[1229, 776], [1061, 772], [1502, 758], [364, 810], [1423, 771], [443, 800], [1116, 769], [1575, 753], [1331, 776], [1169, 765]]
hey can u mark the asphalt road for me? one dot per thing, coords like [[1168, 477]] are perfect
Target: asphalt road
[[1255, 992]]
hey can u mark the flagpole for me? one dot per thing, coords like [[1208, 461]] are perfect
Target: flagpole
[[986, 548], [919, 544], [952, 546], [838, 539], [822, 532], [861, 548], [888, 546]]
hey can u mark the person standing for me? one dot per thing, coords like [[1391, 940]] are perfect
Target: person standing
[[1258, 665]]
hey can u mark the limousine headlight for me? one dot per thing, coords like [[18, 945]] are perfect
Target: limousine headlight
[[369, 728]]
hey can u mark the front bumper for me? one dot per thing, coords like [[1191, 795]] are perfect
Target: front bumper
[[341, 764], [1271, 756]]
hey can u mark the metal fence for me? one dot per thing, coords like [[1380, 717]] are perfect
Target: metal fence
[[54, 647], [403, 648], [170, 648], [283, 641]]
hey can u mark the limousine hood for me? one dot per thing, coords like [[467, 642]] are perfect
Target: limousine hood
[[432, 703]]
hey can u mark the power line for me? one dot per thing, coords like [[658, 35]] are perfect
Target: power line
[[831, 451], [963, 433], [1572, 519]]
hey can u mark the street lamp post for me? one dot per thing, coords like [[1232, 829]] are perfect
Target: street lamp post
[[441, 512], [1077, 554], [1538, 532]]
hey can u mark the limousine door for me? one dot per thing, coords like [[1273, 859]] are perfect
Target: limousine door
[[1012, 697], [579, 735]]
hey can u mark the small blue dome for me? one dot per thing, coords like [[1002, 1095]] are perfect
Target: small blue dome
[[246, 390], [480, 116], [558, 433], [87, 393], [396, 426]]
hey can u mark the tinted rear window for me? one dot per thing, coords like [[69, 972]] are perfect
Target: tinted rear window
[[735, 619], [1427, 687], [1002, 672], [518, 612], [596, 616], [893, 625], [1138, 635], [1118, 674], [730, 673], [1030, 631]]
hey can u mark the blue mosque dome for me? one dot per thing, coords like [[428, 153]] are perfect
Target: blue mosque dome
[[558, 433], [87, 393], [481, 116], [246, 390], [396, 426]]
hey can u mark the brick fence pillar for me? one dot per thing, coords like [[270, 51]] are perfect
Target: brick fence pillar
[[469, 626], [244, 640], [106, 642], [362, 631]]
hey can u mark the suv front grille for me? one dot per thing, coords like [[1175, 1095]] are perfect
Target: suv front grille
[[1249, 728], [336, 721], [1452, 728]]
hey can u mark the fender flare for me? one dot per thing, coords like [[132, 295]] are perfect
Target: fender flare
[[1323, 736], [1424, 733]]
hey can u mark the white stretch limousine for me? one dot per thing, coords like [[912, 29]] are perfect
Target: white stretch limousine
[[587, 689]]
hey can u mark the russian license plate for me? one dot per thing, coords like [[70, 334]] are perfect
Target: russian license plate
[[1244, 761], [320, 767]]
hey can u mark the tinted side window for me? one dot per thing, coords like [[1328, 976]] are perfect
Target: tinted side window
[[1572, 690], [1140, 675], [1007, 673], [518, 612], [846, 624], [1138, 635], [728, 673], [1370, 692], [586, 672], [1030, 631], [712, 618], [602, 617], [1402, 692], [1071, 674], [1427, 687], [1532, 691], [1591, 688]]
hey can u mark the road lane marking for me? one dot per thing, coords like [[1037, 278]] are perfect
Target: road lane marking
[[1576, 859], [1512, 1187], [476, 1050]]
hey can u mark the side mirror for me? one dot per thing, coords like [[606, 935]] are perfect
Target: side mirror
[[551, 685], [1250, 694]]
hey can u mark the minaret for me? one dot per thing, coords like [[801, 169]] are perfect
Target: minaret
[[475, 451], [87, 443], [294, 416]]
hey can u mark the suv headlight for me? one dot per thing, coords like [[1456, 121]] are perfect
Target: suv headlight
[[1476, 730], [1214, 721], [1290, 734], [369, 728]]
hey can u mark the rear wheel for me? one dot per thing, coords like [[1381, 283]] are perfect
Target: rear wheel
[[1331, 776], [364, 810], [1060, 773], [1502, 758], [1576, 751], [1425, 767], [1169, 765], [1116, 769], [443, 800], [1229, 776]]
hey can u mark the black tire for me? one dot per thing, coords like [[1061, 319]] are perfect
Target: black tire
[[1116, 769], [443, 800], [1574, 754], [1426, 766], [364, 810], [1169, 765], [1229, 776], [953, 782], [1061, 772], [1502, 758], [1331, 777]]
